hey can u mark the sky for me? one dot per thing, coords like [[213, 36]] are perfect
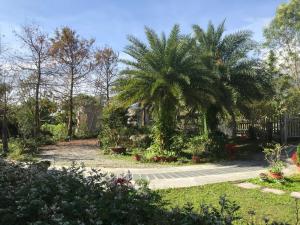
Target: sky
[[110, 21]]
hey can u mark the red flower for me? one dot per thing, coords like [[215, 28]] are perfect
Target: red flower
[[122, 181]]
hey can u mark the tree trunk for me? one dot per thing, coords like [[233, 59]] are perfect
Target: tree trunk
[[107, 87], [70, 122], [234, 125], [4, 127], [37, 105]]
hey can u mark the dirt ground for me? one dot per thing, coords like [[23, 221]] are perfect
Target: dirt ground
[[87, 152]]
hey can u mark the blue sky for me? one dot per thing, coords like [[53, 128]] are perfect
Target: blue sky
[[110, 21]]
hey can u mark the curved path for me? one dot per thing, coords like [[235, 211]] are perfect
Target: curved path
[[160, 176]]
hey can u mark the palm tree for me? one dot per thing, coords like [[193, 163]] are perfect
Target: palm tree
[[237, 77], [159, 76]]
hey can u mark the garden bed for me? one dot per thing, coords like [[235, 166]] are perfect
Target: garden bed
[[291, 183]]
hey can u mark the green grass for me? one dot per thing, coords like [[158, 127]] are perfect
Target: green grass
[[275, 207], [290, 184]]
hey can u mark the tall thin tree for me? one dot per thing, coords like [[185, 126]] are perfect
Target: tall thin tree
[[74, 61], [106, 71], [34, 60]]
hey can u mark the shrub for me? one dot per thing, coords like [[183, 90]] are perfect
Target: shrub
[[197, 144], [59, 131], [272, 156], [35, 195], [215, 144], [21, 150], [298, 154]]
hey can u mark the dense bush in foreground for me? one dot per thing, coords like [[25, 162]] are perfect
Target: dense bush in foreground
[[35, 195]]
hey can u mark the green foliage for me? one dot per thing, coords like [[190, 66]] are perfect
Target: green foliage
[[272, 155], [282, 35], [58, 131], [36, 195], [216, 144], [25, 118], [159, 77], [237, 78], [21, 149], [197, 144], [114, 126], [298, 153]]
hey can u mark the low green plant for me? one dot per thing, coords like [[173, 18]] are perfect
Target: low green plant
[[298, 154], [21, 150], [197, 144], [59, 131], [215, 144], [277, 167], [34, 195], [272, 155]]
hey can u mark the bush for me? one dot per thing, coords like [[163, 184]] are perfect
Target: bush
[[298, 154], [38, 196], [59, 131], [197, 144], [21, 150], [216, 144]]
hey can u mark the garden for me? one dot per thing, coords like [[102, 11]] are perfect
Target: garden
[[169, 100]]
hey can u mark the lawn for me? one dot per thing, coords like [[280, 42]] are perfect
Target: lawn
[[290, 184], [269, 205]]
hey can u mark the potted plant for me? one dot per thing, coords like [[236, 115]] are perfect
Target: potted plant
[[272, 155], [231, 150], [170, 156], [118, 149], [196, 155], [197, 146], [136, 155], [276, 171]]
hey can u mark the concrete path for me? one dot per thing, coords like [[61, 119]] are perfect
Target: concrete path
[[187, 176], [159, 176]]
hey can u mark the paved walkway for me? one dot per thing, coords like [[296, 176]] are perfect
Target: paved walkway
[[187, 176], [160, 176]]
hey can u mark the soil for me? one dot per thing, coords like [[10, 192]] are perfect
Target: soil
[[88, 153]]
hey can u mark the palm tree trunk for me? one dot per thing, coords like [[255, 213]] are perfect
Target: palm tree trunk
[[234, 124]]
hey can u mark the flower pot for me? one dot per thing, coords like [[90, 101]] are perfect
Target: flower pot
[[195, 159], [118, 150], [137, 157], [231, 150], [276, 176], [156, 159], [171, 159]]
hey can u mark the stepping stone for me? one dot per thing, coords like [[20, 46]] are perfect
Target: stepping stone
[[295, 195], [274, 191], [248, 185]]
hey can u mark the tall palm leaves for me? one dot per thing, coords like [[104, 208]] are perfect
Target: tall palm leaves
[[236, 75], [159, 76]]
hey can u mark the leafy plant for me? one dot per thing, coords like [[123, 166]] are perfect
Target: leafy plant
[[59, 131], [197, 144], [32, 194], [272, 155], [298, 154], [216, 144]]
